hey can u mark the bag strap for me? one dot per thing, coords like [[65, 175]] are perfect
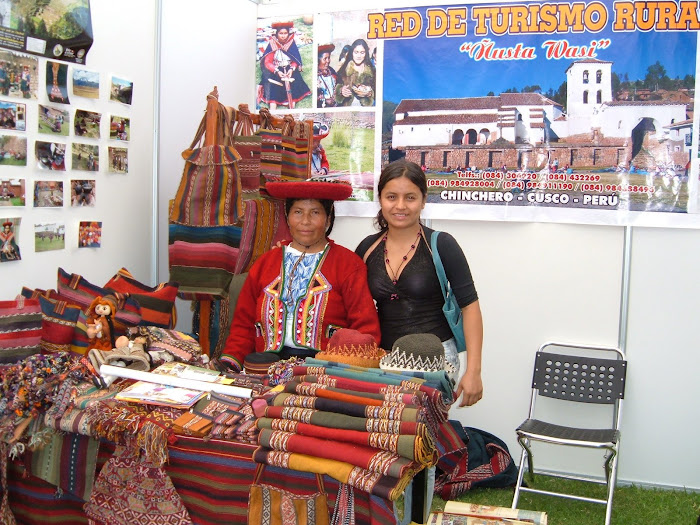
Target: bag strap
[[244, 122], [200, 132], [439, 268]]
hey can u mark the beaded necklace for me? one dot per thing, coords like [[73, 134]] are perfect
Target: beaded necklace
[[395, 274]]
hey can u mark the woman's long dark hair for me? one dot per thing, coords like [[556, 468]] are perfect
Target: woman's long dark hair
[[367, 61], [327, 206], [394, 170]]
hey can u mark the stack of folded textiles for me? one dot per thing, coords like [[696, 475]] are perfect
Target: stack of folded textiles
[[371, 429]]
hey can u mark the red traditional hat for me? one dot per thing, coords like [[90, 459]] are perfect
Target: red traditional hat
[[282, 25], [325, 48], [336, 190], [7, 223]]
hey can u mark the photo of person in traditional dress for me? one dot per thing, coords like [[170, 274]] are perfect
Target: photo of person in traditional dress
[[281, 66], [12, 116], [9, 251], [357, 77], [327, 78], [319, 160], [50, 155], [87, 124], [53, 120], [85, 157]]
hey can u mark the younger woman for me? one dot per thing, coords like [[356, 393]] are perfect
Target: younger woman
[[357, 77], [402, 277]]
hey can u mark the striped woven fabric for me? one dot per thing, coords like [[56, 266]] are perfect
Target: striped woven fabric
[[366, 457], [20, 329], [415, 448], [213, 479], [245, 250], [377, 484], [69, 462], [296, 151], [392, 411], [270, 153], [203, 259], [210, 189], [80, 292], [157, 302]]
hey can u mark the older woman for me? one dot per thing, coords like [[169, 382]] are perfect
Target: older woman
[[327, 77], [296, 296]]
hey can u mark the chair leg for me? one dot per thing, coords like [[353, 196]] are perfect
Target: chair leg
[[521, 473], [612, 481], [525, 443]]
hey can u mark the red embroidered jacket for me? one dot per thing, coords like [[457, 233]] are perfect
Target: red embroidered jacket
[[337, 297]]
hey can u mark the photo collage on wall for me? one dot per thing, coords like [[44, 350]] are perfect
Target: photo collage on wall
[[56, 146], [321, 67]]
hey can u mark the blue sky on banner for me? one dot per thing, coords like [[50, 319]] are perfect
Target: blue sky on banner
[[423, 67]]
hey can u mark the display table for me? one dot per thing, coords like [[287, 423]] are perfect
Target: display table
[[212, 477]]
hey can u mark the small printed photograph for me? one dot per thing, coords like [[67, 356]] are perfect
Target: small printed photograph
[[119, 128], [346, 73], [118, 160], [53, 120], [82, 192], [86, 83], [48, 194], [49, 236], [13, 116], [86, 157], [87, 124], [12, 192], [18, 75], [121, 90], [285, 62], [13, 150], [50, 155], [57, 82], [9, 251], [89, 234]]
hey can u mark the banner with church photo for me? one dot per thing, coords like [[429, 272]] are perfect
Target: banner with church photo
[[559, 111]]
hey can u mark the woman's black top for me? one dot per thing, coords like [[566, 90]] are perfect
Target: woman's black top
[[414, 304]]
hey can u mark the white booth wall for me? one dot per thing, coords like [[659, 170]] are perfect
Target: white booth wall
[[124, 202], [536, 281]]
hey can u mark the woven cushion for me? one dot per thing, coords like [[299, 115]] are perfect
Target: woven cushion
[[79, 291], [157, 303]]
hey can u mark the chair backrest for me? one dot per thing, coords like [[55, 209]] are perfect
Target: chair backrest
[[587, 375], [580, 378]]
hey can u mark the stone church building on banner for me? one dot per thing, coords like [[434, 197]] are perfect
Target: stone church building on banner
[[530, 131]]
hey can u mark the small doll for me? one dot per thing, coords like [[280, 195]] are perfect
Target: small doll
[[100, 329]]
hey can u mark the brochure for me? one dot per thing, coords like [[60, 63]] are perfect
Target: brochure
[[153, 394]]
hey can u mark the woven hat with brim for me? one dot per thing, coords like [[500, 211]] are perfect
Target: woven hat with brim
[[259, 362], [325, 48], [351, 347], [335, 190], [282, 25], [417, 353]]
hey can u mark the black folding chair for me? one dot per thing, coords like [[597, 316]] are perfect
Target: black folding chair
[[584, 374]]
